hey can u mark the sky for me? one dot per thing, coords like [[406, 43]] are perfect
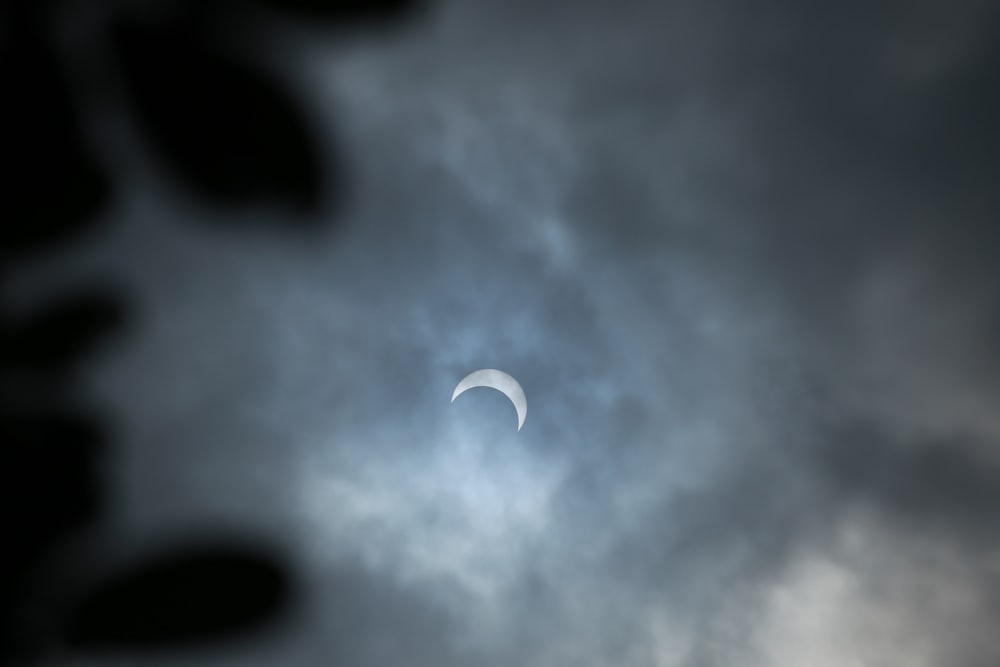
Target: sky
[[742, 260]]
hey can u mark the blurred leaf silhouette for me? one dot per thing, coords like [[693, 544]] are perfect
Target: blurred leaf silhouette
[[48, 460], [52, 185], [345, 10], [217, 120], [62, 333], [192, 595], [48, 490], [223, 127]]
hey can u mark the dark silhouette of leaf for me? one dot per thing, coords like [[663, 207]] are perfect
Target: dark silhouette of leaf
[[205, 593], [224, 128], [51, 185], [62, 334], [47, 477], [348, 10], [230, 134]]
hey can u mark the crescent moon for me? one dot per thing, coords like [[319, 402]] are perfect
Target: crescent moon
[[502, 382]]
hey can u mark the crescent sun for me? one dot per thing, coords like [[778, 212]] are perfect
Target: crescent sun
[[502, 382]]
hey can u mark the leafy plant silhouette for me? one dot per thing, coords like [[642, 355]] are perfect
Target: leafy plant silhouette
[[217, 121]]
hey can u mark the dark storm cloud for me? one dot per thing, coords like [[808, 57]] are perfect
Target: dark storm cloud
[[738, 257]]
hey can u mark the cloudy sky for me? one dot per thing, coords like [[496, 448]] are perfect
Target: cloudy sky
[[742, 259]]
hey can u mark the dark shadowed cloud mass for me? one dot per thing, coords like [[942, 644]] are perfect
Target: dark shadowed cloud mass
[[741, 257]]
